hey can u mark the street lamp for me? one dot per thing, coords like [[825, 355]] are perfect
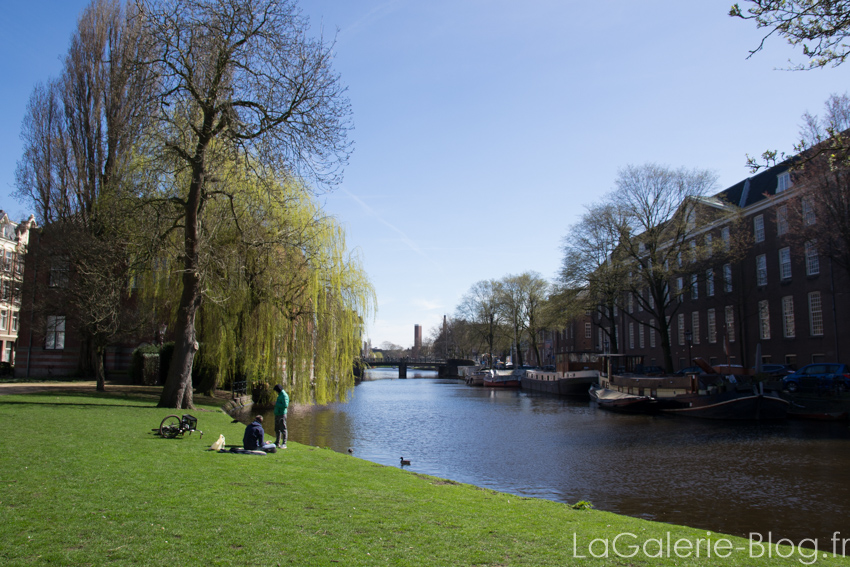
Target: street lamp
[[689, 336]]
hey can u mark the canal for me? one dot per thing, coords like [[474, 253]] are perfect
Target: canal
[[784, 480]]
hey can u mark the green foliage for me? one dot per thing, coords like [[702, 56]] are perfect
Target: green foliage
[[582, 505]]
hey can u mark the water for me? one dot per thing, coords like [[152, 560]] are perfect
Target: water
[[789, 479]]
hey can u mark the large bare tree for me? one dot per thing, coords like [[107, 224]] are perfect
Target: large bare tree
[[658, 217], [243, 85], [81, 134]]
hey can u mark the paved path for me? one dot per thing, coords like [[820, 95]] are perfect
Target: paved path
[[32, 387]]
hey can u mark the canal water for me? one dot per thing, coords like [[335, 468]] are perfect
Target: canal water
[[788, 479]]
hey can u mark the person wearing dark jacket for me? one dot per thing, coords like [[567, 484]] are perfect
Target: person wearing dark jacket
[[254, 438]]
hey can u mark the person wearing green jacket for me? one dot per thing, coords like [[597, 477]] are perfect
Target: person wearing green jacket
[[280, 407]]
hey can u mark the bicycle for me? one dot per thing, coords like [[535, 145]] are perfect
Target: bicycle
[[172, 426]]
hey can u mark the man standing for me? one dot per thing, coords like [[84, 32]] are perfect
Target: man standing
[[280, 407]]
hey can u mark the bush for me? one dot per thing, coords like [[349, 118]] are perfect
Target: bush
[[263, 395], [137, 364]]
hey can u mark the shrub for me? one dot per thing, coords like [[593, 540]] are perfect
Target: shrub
[[263, 395]]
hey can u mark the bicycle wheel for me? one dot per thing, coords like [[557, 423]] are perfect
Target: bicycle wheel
[[170, 427]]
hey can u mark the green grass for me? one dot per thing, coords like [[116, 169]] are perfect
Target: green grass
[[83, 481]]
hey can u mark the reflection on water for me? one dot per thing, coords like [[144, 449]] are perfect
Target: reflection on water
[[788, 478]]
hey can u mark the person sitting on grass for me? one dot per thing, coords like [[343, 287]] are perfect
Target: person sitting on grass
[[254, 438]]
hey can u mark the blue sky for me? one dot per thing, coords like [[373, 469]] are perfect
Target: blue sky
[[483, 127]]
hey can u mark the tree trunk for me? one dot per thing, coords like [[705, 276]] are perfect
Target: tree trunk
[[177, 392], [99, 367]]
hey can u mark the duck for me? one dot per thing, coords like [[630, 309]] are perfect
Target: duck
[[405, 462]]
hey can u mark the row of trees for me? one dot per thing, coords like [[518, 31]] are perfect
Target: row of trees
[[498, 316], [177, 156]]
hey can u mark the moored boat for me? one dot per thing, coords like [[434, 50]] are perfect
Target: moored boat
[[614, 400], [563, 383], [707, 396], [503, 378]]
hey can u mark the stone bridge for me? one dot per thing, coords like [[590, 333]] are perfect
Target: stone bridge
[[444, 368]]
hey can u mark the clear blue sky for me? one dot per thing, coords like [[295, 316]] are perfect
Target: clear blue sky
[[483, 127]]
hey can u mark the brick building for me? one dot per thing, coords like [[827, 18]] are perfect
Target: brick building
[[781, 299]]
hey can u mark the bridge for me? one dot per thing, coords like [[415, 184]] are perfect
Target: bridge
[[443, 367]]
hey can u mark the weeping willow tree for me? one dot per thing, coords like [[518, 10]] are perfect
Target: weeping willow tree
[[284, 299]]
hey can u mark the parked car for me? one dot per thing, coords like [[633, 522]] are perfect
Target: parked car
[[775, 370], [819, 376]]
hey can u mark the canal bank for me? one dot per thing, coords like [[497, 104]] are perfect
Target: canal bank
[[787, 478], [131, 498]]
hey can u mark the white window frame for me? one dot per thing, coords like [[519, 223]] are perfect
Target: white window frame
[[788, 330], [761, 270], [727, 278], [812, 259], [695, 327], [709, 282], [781, 220], [764, 320], [711, 317], [758, 228], [783, 181], [730, 322], [815, 314], [785, 263]]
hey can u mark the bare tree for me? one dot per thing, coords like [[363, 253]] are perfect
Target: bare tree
[[480, 306], [820, 26], [243, 86], [658, 216], [591, 278], [80, 134]]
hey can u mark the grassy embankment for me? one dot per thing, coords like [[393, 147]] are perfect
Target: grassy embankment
[[85, 482]]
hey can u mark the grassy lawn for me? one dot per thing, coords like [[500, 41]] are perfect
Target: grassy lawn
[[85, 482]]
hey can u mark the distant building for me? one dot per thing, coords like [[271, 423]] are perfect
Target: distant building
[[14, 238], [417, 340]]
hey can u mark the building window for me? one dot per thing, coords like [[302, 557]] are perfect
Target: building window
[[758, 228], [680, 287], [708, 246], [695, 327], [781, 220], [788, 317], [761, 270], [785, 263], [652, 337], [632, 336], [724, 235], [812, 261], [712, 326], [694, 287], [730, 323], [59, 266], [588, 333], [808, 211], [727, 278], [641, 332], [4, 320], [8, 350], [681, 320], [54, 337], [783, 181], [764, 320], [7, 265], [709, 282], [815, 314], [631, 303], [15, 316]]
